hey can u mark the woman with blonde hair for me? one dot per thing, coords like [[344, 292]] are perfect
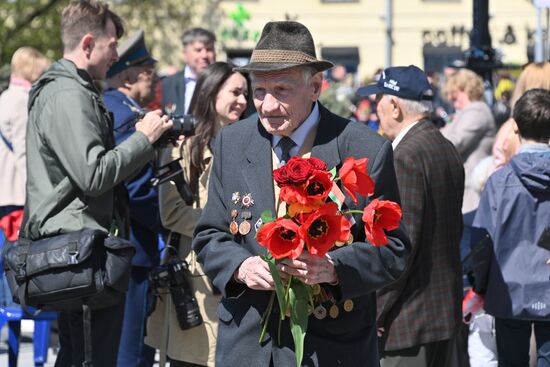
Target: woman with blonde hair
[[27, 64], [472, 130]]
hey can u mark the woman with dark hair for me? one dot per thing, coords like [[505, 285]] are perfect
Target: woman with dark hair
[[220, 98]]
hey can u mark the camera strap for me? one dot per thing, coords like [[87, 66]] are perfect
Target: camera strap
[[165, 327], [171, 251]]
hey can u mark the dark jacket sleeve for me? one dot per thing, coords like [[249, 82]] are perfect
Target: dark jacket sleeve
[[361, 267], [212, 242], [482, 232], [411, 190]]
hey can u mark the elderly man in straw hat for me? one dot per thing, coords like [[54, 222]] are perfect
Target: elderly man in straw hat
[[286, 82]]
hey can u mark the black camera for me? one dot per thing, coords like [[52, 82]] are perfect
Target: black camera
[[174, 275], [182, 125]]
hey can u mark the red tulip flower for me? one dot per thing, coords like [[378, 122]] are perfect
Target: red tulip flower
[[378, 216], [313, 192], [355, 179], [323, 228], [282, 238]]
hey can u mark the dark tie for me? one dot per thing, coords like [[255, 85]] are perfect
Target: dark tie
[[286, 144]]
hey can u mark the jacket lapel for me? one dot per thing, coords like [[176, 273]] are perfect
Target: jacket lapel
[[325, 145], [258, 169]]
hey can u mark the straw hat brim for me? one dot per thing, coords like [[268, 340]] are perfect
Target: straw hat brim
[[279, 66]]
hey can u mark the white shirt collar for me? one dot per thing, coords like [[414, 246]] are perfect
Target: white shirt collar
[[401, 135], [300, 134], [189, 74]]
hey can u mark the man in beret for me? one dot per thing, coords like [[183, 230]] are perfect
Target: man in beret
[[419, 315], [286, 82], [132, 81]]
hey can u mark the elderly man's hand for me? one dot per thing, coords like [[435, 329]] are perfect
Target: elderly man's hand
[[311, 269], [254, 272]]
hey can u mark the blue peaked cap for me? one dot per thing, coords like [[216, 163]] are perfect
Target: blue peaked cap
[[407, 82], [131, 53]]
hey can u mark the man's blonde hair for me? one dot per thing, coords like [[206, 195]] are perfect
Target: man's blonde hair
[[28, 63]]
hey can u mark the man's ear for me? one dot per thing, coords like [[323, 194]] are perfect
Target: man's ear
[[395, 109], [87, 44], [316, 83], [184, 54], [515, 127]]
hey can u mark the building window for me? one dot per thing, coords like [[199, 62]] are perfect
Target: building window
[[347, 56]]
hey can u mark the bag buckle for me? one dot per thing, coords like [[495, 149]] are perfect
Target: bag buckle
[[73, 258]]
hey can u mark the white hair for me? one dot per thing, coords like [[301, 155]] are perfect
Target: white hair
[[413, 108]]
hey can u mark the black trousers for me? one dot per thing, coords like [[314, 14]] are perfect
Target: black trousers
[[106, 330], [513, 341]]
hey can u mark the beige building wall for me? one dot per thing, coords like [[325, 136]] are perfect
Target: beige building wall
[[361, 24]]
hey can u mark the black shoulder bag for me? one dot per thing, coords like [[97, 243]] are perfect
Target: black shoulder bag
[[82, 270]]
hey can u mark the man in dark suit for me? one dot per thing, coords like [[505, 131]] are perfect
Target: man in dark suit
[[198, 53], [286, 82], [132, 80], [419, 314]]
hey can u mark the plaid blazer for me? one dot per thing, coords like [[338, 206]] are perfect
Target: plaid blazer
[[424, 305]]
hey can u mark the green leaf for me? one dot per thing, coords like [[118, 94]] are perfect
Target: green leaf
[[299, 299], [332, 173], [267, 217], [279, 288]]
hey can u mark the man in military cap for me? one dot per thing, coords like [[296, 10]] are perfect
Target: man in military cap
[[132, 81], [286, 82]]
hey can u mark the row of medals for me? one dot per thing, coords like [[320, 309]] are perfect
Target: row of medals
[[324, 301], [242, 228]]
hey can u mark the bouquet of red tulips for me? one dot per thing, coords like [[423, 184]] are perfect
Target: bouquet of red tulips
[[316, 221]]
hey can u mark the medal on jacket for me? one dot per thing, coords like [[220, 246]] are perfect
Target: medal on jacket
[[244, 227], [233, 226]]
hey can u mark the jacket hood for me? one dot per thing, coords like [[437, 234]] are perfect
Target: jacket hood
[[533, 170], [59, 69]]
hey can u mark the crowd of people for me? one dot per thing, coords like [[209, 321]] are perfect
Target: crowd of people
[[86, 138]]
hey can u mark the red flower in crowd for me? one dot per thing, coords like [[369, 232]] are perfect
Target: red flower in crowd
[[355, 179], [282, 238], [297, 170], [378, 216], [323, 228], [313, 192]]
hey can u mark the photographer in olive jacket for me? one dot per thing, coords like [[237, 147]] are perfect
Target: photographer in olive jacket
[[71, 154]]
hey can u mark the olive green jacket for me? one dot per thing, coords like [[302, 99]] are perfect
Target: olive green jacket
[[72, 163]]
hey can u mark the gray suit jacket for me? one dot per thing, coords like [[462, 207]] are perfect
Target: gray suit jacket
[[243, 163]]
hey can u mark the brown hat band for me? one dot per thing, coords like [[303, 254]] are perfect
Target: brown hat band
[[281, 56]]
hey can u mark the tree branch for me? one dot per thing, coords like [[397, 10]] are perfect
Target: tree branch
[[38, 12]]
